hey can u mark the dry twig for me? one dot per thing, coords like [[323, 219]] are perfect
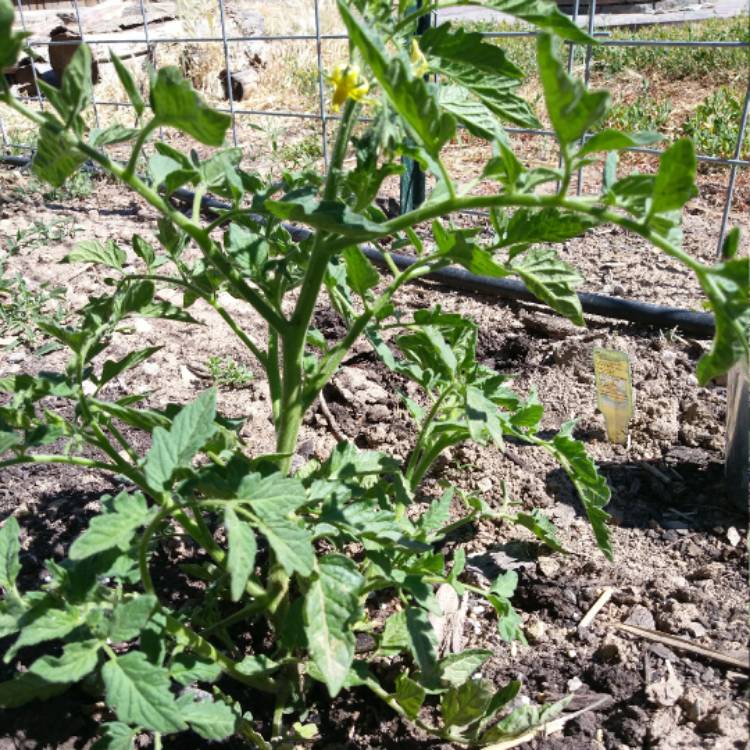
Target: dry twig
[[598, 605], [682, 644]]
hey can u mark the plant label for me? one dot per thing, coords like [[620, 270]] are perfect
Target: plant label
[[614, 392]]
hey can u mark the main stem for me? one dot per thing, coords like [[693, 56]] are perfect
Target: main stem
[[293, 339]]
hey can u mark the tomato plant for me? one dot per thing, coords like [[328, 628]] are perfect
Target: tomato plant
[[297, 556]]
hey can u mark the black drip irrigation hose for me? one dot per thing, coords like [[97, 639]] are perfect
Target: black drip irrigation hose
[[698, 324]]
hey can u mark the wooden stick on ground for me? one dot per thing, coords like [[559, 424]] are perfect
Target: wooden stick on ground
[[683, 645], [597, 607]]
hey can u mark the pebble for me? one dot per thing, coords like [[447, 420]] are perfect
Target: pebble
[[641, 618], [15, 357], [733, 536], [142, 326], [574, 684], [548, 567], [151, 368], [535, 630], [485, 485]]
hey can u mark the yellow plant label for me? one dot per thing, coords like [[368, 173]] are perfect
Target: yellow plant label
[[614, 392]]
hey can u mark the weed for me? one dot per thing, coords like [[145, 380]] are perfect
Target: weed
[[40, 233], [225, 372], [23, 308], [715, 125]]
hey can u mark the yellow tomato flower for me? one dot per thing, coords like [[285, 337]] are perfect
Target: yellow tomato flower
[[419, 63], [347, 84]]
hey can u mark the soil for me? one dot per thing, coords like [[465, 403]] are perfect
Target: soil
[[680, 559]]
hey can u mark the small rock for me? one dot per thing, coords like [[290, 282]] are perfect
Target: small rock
[[15, 357], [696, 705], [660, 650], [549, 567], [696, 629], [151, 368], [535, 630], [666, 691], [378, 413], [142, 326], [663, 723], [574, 684], [733, 536], [484, 485], [641, 618], [186, 376], [88, 388]]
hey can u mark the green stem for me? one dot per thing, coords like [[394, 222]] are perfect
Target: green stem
[[294, 338], [418, 445], [138, 147]]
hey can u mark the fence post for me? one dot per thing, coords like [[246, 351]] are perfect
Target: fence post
[[413, 182]]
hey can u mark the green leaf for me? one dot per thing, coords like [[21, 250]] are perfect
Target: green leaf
[[572, 109], [77, 660], [26, 686], [470, 48], [110, 530], [475, 116], [395, 637], [10, 547], [168, 174], [410, 96], [460, 248], [290, 541], [77, 89], [466, 703], [551, 280], [456, 669], [176, 104], [423, 645], [187, 668], [614, 140], [275, 494], [438, 514], [128, 84], [115, 133], [330, 216], [522, 719], [112, 368], [116, 736], [727, 287], [505, 585], [130, 618], [175, 448], [144, 250], [509, 623], [410, 695], [591, 485], [9, 440], [483, 418], [531, 226], [45, 624], [55, 159], [92, 251], [543, 14], [212, 720], [362, 275], [541, 527], [11, 43], [138, 691], [331, 608], [242, 550], [674, 185]]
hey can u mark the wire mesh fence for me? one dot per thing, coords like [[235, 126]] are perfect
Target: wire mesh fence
[[149, 39]]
